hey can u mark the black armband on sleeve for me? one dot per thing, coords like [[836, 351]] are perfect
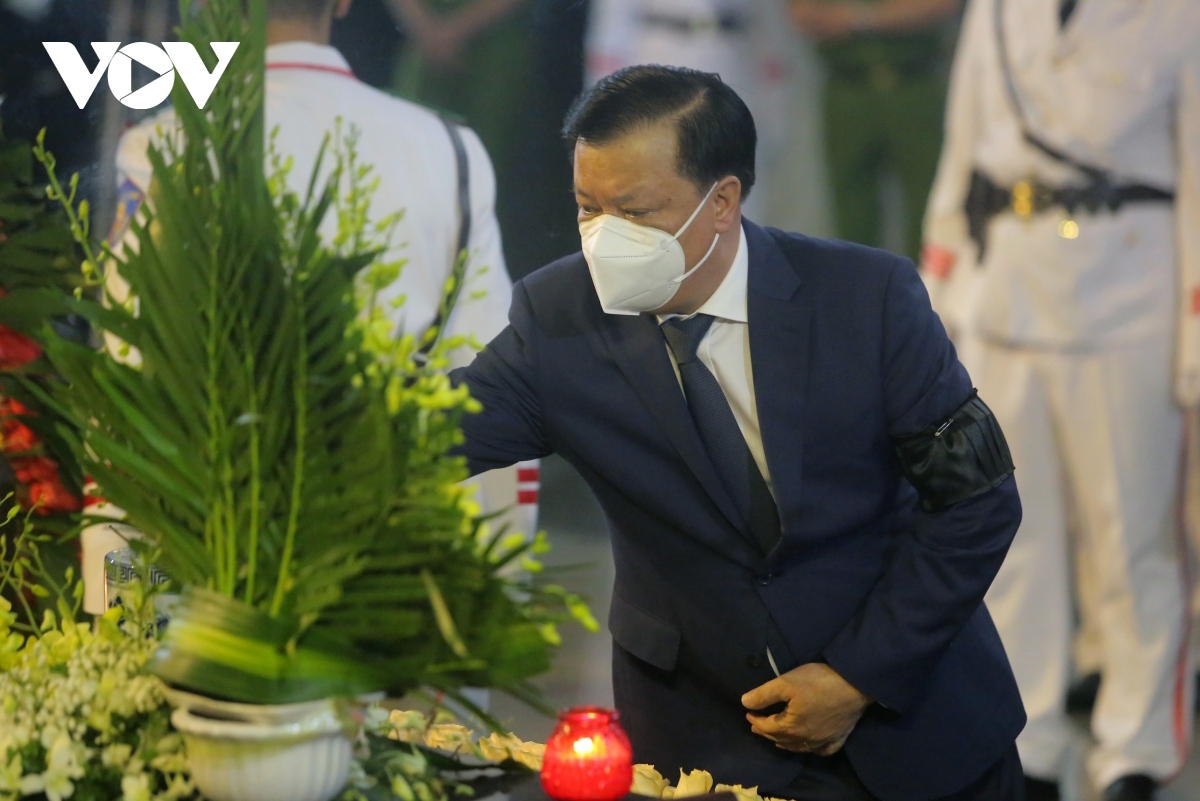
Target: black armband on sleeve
[[956, 459]]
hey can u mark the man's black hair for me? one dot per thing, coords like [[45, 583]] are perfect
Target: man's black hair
[[299, 9], [716, 134]]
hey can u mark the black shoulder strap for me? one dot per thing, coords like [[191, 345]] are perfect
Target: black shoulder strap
[[464, 185], [463, 166], [1092, 172]]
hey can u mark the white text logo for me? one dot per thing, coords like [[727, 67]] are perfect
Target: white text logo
[[172, 57]]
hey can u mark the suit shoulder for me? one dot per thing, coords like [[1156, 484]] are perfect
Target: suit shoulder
[[834, 264], [836, 256], [561, 296], [568, 272]]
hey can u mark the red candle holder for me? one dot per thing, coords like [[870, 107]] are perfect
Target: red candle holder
[[588, 757]]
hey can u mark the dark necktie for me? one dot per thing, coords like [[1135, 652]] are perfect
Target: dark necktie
[[1065, 10], [719, 430]]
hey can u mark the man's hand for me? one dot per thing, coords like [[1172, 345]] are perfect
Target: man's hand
[[822, 709]]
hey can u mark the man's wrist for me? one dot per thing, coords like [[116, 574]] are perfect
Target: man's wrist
[[862, 698]]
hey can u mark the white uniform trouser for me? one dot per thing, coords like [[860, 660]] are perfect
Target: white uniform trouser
[[1097, 442]]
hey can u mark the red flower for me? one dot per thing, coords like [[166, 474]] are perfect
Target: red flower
[[34, 470], [16, 437], [16, 349], [12, 406], [51, 496], [45, 491]]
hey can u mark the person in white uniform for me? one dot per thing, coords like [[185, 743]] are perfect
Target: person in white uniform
[[310, 92], [746, 42], [1062, 245]]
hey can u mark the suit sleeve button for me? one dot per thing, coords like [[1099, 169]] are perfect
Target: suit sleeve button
[[755, 661], [764, 579]]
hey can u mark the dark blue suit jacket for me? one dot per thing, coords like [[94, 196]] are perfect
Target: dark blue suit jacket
[[846, 355]]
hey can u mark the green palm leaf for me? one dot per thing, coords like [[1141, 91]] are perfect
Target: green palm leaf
[[296, 485]]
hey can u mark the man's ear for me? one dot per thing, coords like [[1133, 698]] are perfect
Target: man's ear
[[342, 8], [728, 198]]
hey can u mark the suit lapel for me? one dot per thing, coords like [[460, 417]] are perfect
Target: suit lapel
[[641, 353], [780, 325]]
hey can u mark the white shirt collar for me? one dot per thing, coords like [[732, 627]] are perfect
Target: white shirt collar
[[728, 302], [307, 54]]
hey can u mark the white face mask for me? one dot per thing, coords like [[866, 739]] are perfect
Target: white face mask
[[636, 268]]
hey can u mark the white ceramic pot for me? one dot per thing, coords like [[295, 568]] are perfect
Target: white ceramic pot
[[247, 752]]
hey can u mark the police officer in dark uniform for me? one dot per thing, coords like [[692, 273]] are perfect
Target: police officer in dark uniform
[[886, 62]]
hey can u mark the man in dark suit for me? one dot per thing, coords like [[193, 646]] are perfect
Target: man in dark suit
[[807, 501]]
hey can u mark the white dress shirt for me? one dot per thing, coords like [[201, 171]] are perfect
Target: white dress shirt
[[725, 351]]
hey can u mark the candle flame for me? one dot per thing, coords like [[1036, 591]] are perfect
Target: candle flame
[[584, 746]]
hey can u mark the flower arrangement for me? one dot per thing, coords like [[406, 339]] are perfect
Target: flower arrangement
[[287, 463], [288, 475], [82, 720], [79, 716]]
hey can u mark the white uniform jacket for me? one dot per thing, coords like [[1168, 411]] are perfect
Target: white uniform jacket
[[309, 88], [1118, 87]]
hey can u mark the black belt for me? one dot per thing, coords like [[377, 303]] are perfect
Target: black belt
[[987, 199], [724, 22]]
